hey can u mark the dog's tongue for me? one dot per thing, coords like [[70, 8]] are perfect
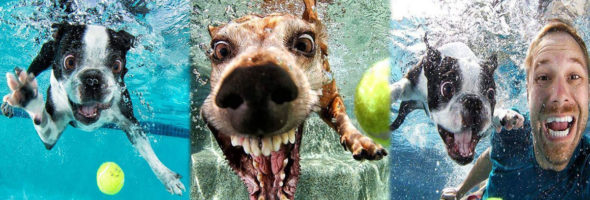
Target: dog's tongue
[[557, 126], [462, 141], [88, 111]]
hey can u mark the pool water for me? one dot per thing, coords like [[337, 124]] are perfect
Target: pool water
[[160, 58], [501, 27]]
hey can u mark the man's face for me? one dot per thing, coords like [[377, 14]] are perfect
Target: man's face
[[558, 90]]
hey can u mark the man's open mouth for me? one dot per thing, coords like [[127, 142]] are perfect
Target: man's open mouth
[[268, 165], [558, 128], [89, 112], [460, 146]]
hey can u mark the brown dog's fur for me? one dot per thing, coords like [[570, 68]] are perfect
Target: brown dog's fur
[[255, 40]]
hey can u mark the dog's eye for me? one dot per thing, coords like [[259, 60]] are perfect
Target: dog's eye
[[70, 62], [447, 89], [117, 66], [221, 50], [491, 94], [304, 44]]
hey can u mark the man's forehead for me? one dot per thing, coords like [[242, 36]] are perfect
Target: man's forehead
[[557, 43]]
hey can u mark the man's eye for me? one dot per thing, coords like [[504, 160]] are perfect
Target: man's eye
[[574, 77], [542, 78]]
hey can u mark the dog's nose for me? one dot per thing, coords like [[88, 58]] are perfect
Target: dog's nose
[[473, 110], [256, 98], [92, 83]]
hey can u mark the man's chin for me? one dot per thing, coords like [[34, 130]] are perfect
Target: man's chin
[[554, 155]]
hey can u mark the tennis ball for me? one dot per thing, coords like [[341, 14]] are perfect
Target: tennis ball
[[372, 102], [110, 178]]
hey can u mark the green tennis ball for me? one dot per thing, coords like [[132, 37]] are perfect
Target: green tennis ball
[[110, 178], [372, 102]]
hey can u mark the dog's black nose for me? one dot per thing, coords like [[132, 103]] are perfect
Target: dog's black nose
[[256, 98], [92, 84], [473, 110]]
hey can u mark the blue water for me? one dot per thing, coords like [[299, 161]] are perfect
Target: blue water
[[157, 80]]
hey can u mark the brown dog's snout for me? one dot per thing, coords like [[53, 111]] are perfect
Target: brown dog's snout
[[256, 98]]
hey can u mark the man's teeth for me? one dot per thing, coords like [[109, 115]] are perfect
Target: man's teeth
[[265, 145], [559, 133], [567, 119]]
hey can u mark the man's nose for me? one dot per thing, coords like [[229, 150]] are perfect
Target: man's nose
[[560, 91]]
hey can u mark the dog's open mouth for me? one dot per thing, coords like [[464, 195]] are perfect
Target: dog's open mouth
[[460, 146], [88, 113], [269, 165]]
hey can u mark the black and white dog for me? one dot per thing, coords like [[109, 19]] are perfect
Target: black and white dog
[[457, 91], [86, 90]]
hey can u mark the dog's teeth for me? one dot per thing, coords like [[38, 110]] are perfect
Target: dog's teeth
[[246, 146], [266, 146], [282, 176], [281, 183], [276, 142], [255, 164], [285, 137], [285, 162], [235, 141], [292, 136], [255, 146], [283, 197], [259, 177]]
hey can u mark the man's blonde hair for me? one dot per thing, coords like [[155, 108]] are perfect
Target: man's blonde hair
[[554, 25]]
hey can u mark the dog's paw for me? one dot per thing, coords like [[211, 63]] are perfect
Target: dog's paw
[[172, 182], [362, 147], [7, 110], [23, 87], [509, 119]]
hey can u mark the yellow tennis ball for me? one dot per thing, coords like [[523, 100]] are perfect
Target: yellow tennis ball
[[110, 178], [372, 102]]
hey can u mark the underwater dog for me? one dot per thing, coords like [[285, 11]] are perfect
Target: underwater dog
[[458, 92], [269, 73], [87, 90]]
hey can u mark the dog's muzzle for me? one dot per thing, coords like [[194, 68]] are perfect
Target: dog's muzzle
[[256, 98], [93, 87], [473, 114]]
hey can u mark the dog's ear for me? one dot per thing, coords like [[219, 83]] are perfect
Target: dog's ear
[[123, 39], [491, 63], [213, 30], [59, 29], [432, 58], [310, 14]]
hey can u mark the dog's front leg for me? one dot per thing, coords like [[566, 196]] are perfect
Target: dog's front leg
[[25, 94], [138, 138], [334, 114], [509, 119]]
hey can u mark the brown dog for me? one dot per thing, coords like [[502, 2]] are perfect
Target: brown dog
[[268, 74]]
